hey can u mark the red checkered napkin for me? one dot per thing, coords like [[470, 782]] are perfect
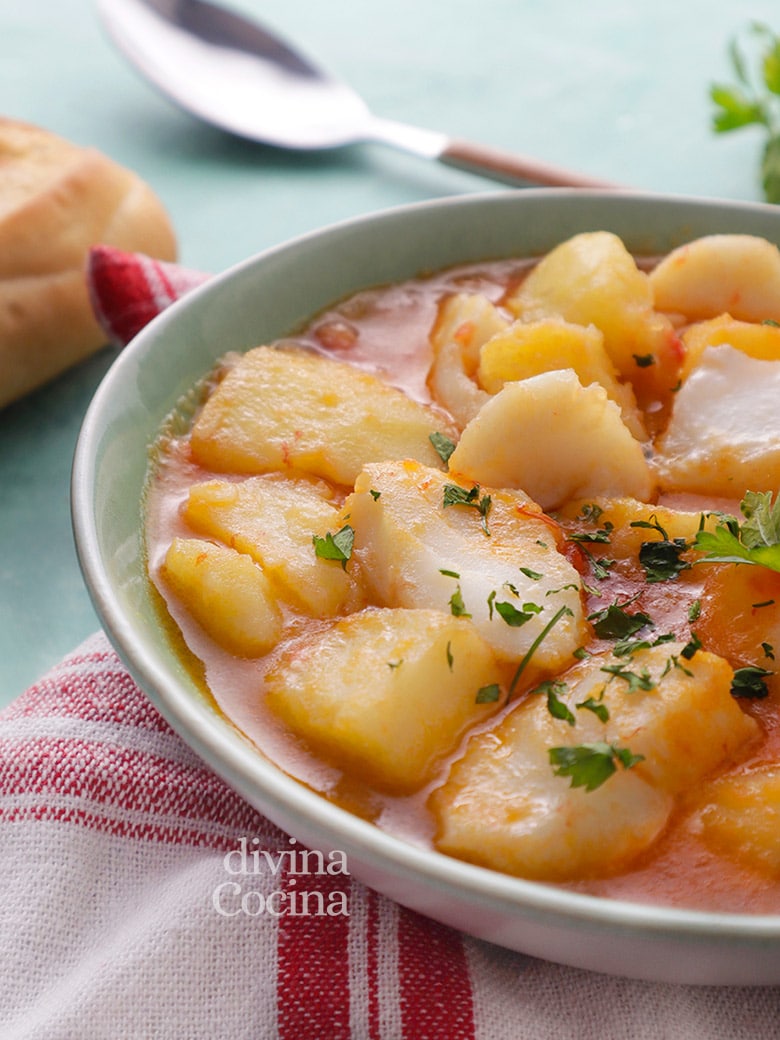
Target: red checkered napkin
[[133, 907]]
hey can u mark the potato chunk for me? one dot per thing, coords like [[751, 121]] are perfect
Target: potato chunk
[[385, 693], [464, 323], [723, 438], [273, 519], [527, 348], [556, 440], [227, 594], [414, 550], [291, 410], [739, 817], [503, 805], [739, 274], [592, 279]]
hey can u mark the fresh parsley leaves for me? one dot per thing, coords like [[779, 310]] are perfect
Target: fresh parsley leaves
[[454, 495], [590, 765], [336, 546], [755, 97], [750, 682], [615, 622], [754, 541], [442, 445]]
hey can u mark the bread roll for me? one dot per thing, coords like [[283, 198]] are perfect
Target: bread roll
[[56, 200]]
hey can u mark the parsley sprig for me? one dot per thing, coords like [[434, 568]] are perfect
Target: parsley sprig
[[754, 100], [754, 541]]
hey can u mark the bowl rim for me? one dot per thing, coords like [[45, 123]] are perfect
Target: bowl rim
[[232, 756]]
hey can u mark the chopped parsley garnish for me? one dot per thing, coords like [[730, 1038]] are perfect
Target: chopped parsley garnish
[[694, 611], [691, 647], [374, 494], [514, 617], [454, 495], [590, 765], [673, 661], [488, 694], [443, 446], [561, 612], [533, 575], [749, 682], [590, 512], [755, 541], [457, 606], [392, 665], [336, 546], [450, 658], [614, 621], [598, 708], [553, 689], [642, 680], [602, 535], [661, 560], [769, 651]]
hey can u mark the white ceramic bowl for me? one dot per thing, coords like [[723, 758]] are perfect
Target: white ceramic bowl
[[262, 299]]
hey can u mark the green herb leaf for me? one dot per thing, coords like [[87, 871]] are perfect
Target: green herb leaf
[[488, 694], [614, 622], [590, 765], [598, 708], [553, 689], [454, 495], [755, 541], [560, 613], [336, 546], [457, 606], [512, 616], [636, 680], [749, 682], [754, 100], [443, 446]]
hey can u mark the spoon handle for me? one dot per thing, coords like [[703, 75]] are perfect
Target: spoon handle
[[511, 168], [507, 167]]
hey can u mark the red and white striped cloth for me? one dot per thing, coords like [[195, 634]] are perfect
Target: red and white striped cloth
[[121, 912]]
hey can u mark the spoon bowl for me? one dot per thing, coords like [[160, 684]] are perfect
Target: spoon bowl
[[237, 74]]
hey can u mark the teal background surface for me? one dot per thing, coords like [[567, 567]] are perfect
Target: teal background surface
[[615, 90]]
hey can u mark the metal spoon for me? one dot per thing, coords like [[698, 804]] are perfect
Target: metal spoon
[[238, 75]]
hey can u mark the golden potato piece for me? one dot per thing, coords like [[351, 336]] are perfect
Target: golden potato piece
[[528, 348], [386, 693], [292, 410], [504, 806], [592, 279], [273, 520], [556, 440], [737, 274], [739, 818], [226, 593]]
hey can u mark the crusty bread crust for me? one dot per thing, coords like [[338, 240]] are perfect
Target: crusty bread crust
[[56, 201]]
